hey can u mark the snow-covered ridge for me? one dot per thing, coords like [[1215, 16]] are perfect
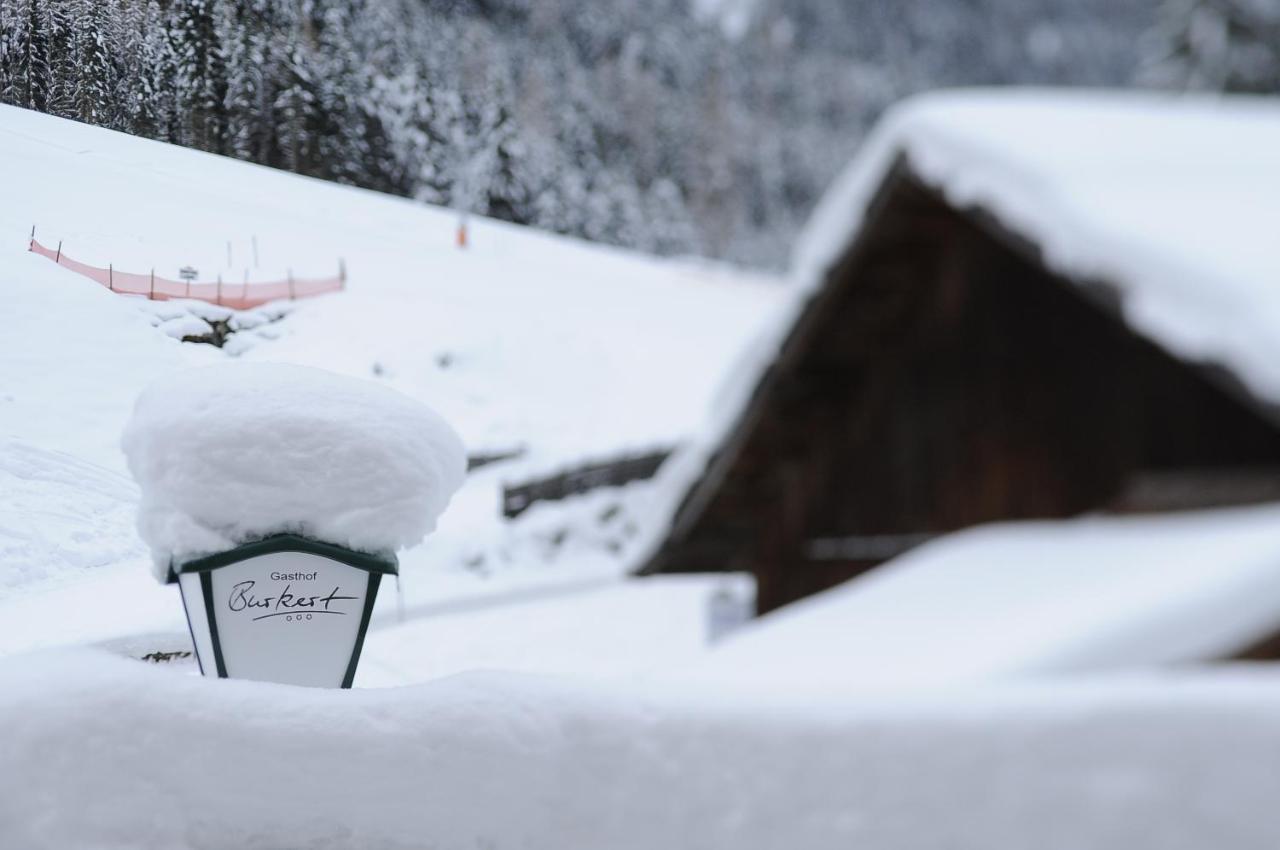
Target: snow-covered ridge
[[1173, 200]]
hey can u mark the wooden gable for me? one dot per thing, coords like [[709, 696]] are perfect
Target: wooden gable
[[943, 377]]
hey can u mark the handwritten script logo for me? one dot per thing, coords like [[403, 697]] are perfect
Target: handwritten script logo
[[287, 603]]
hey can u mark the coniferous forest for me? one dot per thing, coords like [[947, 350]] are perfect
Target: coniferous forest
[[675, 126]]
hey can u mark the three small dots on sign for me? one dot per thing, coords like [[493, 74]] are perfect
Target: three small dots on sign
[[298, 617]]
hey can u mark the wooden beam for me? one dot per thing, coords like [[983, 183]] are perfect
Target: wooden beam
[[518, 498], [864, 547], [1189, 489]]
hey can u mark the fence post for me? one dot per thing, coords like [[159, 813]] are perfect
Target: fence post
[[152, 295], [31, 243], [111, 276], [291, 298], [58, 259], [219, 296], [187, 294]]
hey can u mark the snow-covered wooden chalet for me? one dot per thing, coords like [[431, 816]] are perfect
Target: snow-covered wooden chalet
[[1025, 304]]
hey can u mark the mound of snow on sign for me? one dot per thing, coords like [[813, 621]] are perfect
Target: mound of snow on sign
[[239, 451], [60, 514]]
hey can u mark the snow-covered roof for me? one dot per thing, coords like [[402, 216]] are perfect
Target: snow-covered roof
[[1027, 597], [1172, 200]]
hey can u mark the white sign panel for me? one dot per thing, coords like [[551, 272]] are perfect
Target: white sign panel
[[288, 617]]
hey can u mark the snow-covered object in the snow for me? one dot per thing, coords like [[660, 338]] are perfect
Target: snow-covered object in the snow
[[239, 451], [1171, 200], [1026, 597]]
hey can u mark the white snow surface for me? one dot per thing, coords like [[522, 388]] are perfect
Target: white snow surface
[[238, 451], [1171, 199], [556, 350], [1025, 598], [627, 631], [60, 515], [104, 752]]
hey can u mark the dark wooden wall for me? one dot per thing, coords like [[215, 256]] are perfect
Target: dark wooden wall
[[946, 379]]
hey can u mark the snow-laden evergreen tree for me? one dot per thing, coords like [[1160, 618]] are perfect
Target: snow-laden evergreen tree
[[200, 72], [250, 28], [95, 55], [1218, 45], [58, 24], [149, 86], [24, 54], [339, 124], [292, 104]]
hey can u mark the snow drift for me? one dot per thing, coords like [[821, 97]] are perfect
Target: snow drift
[[501, 761], [239, 451]]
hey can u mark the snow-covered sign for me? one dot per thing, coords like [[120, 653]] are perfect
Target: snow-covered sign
[[285, 609], [275, 497]]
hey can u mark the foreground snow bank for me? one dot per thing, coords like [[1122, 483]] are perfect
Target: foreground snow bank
[[505, 761], [238, 451]]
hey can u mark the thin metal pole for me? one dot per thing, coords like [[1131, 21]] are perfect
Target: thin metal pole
[[219, 298], [111, 277], [291, 298], [152, 295], [58, 258]]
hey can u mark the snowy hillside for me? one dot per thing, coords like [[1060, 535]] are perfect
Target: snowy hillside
[[541, 346]]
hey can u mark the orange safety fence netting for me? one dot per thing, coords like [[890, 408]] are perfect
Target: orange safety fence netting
[[237, 296]]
